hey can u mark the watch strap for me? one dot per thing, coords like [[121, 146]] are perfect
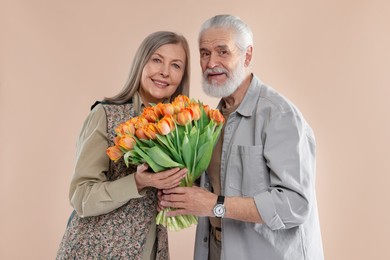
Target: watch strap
[[221, 199]]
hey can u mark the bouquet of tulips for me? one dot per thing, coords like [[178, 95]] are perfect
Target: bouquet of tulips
[[166, 135]]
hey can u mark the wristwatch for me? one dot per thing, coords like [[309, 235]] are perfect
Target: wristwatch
[[219, 209]]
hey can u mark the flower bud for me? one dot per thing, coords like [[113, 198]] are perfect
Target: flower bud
[[114, 153], [184, 116], [216, 116]]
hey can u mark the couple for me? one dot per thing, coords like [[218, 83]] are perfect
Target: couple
[[257, 197]]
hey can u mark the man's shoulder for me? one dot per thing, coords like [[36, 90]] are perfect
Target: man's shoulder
[[271, 97]]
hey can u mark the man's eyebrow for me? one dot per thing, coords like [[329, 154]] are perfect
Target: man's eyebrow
[[224, 46], [218, 47]]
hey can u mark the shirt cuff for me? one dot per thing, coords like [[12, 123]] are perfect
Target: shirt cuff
[[124, 189], [267, 211]]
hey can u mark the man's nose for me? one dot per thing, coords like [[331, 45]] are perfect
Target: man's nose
[[213, 61]]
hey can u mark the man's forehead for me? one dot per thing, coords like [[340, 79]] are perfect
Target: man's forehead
[[216, 38]]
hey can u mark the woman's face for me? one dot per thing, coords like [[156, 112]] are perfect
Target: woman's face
[[162, 73]]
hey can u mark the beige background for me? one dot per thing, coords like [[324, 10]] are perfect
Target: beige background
[[331, 58]]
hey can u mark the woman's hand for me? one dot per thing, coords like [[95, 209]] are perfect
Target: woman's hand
[[161, 180]]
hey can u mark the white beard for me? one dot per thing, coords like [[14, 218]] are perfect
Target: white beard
[[233, 81]]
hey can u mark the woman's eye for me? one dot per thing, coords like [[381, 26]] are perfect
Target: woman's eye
[[176, 66], [156, 60]]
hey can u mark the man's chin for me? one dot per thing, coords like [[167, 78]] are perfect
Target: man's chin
[[217, 91]]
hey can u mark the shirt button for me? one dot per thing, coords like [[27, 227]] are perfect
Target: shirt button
[[206, 185], [205, 239]]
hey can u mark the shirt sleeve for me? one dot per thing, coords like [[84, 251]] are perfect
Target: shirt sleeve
[[91, 193], [289, 150]]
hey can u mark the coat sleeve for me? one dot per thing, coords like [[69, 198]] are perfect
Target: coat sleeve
[[90, 192], [289, 151]]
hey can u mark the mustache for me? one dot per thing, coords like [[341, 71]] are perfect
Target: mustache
[[214, 70]]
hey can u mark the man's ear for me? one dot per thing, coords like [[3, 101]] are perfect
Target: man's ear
[[248, 55]]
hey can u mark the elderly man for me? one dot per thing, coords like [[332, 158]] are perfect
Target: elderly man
[[257, 199]]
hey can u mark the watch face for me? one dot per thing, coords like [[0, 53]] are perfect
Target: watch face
[[219, 210]]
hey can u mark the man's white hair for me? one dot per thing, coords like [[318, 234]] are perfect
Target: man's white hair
[[244, 35]]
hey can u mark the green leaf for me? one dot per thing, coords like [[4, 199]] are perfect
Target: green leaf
[[161, 158], [133, 157], [168, 148], [204, 160], [152, 164], [206, 136], [187, 152], [194, 137], [217, 133], [204, 119]]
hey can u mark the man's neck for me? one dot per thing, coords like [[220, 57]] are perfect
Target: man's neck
[[236, 98]]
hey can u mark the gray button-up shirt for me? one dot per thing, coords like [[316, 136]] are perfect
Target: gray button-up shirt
[[268, 153]]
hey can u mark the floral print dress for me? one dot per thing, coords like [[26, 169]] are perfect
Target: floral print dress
[[121, 233]]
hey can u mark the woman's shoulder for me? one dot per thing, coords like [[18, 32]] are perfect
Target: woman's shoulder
[[108, 102]]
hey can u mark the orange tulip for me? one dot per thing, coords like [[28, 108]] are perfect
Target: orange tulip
[[127, 127], [140, 133], [216, 116], [150, 131], [184, 116], [114, 153], [150, 114], [126, 142], [163, 109], [195, 110], [116, 140], [206, 109], [182, 98], [119, 129], [166, 125], [139, 121], [180, 102]]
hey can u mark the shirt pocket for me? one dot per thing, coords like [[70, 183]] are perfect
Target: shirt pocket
[[247, 171]]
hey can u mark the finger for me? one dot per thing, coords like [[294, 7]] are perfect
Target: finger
[[142, 167], [160, 207], [177, 190], [175, 179], [175, 172], [172, 204], [171, 198], [165, 174]]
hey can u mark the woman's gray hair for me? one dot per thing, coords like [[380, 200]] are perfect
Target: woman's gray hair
[[244, 35], [148, 46]]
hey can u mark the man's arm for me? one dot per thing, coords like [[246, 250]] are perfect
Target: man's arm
[[200, 202]]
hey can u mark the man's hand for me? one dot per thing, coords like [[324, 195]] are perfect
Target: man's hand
[[188, 200]]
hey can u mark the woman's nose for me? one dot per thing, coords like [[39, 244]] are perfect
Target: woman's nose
[[164, 70]]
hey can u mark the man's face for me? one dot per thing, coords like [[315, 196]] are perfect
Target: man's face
[[221, 61]]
